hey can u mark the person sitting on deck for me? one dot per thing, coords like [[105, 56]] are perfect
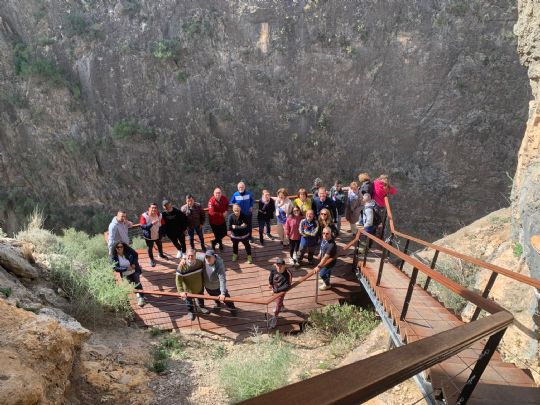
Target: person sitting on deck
[[292, 231], [367, 221], [195, 217], [238, 230], [323, 201], [218, 206], [265, 215], [280, 280], [309, 231], [327, 256], [215, 282], [174, 226], [151, 222], [118, 231], [189, 280], [303, 201], [126, 262], [284, 208], [245, 200]]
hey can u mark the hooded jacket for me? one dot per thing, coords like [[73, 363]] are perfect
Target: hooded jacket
[[214, 275], [368, 215], [118, 232]]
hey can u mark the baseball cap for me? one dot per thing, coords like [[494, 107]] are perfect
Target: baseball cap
[[280, 260], [210, 252], [165, 202]]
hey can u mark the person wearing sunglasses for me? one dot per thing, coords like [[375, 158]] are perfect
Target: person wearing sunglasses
[[126, 262], [325, 220], [327, 258]]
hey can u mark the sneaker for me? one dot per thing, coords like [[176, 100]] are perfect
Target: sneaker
[[179, 255], [191, 316], [140, 302], [250, 259], [361, 250], [296, 263], [273, 322], [295, 256], [234, 257], [324, 287], [271, 237], [204, 310], [152, 263], [291, 261]]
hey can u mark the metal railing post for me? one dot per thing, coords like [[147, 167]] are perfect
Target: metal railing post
[[366, 251], [405, 250], [381, 266], [432, 266], [409, 294], [485, 294], [355, 257], [317, 287]]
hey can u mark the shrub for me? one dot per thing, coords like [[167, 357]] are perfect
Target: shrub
[[246, 374], [6, 291], [181, 76], [138, 243], [27, 64], [349, 320], [76, 25], [80, 246], [517, 249], [169, 347], [128, 128], [43, 240], [166, 49], [2, 233]]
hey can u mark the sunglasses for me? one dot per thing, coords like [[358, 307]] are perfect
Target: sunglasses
[[119, 247], [322, 213]]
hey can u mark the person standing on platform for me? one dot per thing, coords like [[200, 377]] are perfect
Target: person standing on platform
[[292, 231], [174, 226], [189, 280], [245, 200], [237, 228], [338, 196], [284, 208], [118, 231], [195, 217], [218, 207], [280, 280], [303, 201], [265, 214], [327, 257], [353, 206], [323, 201], [309, 231], [151, 222]]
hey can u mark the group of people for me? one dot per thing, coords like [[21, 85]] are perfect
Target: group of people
[[303, 224]]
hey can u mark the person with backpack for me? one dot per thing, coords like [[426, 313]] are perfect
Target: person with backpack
[[151, 222], [265, 215], [370, 220], [338, 196], [366, 185]]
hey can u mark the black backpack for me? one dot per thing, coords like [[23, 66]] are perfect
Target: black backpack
[[366, 187], [377, 218]]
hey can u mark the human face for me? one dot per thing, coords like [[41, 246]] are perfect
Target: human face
[[121, 217], [236, 210], [241, 187], [326, 234], [266, 195], [303, 196], [119, 249], [153, 210], [281, 195], [296, 211], [189, 201], [280, 267], [324, 214], [217, 193], [190, 256], [168, 207], [354, 189], [322, 194], [210, 259], [310, 215]]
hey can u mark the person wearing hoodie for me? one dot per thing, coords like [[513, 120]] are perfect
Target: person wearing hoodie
[[303, 201], [245, 200], [292, 231], [126, 262], [215, 282], [174, 226], [218, 207], [237, 229], [338, 196], [367, 221], [151, 222], [195, 218], [283, 210], [189, 280], [265, 215], [279, 280], [309, 231], [118, 230], [353, 206]]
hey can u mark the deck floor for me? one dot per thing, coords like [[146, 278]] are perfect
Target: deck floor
[[246, 281]]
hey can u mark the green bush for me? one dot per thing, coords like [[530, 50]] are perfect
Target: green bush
[[166, 49], [80, 246], [76, 25], [138, 243], [517, 249], [129, 128], [349, 320], [26, 64], [43, 240], [181, 76], [6, 291], [263, 368], [170, 346]]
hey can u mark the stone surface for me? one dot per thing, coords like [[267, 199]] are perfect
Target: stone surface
[[13, 261], [277, 93]]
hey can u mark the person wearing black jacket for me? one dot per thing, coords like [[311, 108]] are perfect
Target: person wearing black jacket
[[174, 226], [265, 214], [280, 280], [324, 201], [238, 230], [126, 262]]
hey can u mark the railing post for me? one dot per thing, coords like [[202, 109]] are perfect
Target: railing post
[[267, 320], [366, 250], [405, 250], [432, 266], [317, 287], [381, 265], [385, 218], [479, 367], [485, 294], [409, 294], [355, 257]]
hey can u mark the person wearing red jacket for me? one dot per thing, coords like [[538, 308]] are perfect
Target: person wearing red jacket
[[382, 188], [292, 230], [218, 207]]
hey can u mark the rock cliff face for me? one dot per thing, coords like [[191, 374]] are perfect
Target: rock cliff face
[[119, 102]]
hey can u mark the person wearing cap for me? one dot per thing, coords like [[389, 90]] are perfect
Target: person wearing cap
[[215, 282], [189, 280], [279, 281], [327, 257], [174, 226], [218, 206], [195, 218]]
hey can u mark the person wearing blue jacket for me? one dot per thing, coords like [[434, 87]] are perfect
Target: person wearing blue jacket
[[324, 201], [245, 200], [126, 262]]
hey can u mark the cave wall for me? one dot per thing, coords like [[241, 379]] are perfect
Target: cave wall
[[108, 104]]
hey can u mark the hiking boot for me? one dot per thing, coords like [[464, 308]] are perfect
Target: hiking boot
[[152, 263], [204, 310], [250, 259], [140, 302], [234, 257], [191, 316], [273, 322], [324, 287]]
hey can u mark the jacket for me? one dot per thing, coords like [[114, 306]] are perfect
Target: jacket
[[292, 227], [216, 209], [339, 199], [280, 281], [245, 200], [131, 255], [353, 207], [368, 215], [304, 206], [266, 209], [214, 276], [379, 192], [189, 278], [283, 210], [241, 230], [174, 222], [309, 231], [150, 231], [328, 203], [195, 214], [118, 232]]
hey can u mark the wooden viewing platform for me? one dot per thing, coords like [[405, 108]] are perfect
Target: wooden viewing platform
[[246, 281]]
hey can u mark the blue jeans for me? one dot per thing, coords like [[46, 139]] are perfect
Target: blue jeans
[[191, 233], [326, 272], [262, 224]]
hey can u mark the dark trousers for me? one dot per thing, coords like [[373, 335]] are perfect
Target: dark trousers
[[178, 240], [250, 224], [264, 223], [217, 293], [150, 246], [135, 278], [246, 243], [191, 304], [294, 245], [220, 231], [198, 231]]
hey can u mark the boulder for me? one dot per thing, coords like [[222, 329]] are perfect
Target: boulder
[[13, 261]]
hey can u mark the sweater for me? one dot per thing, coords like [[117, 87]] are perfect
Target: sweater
[[283, 210], [266, 209], [379, 192], [118, 232], [245, 200], [280, 281], [328, 203], [216, 209], [309, 232], [292, 227], [189, 278], [174, 222], [304, 206], [241, 226], [214, 276], [194, 214]]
